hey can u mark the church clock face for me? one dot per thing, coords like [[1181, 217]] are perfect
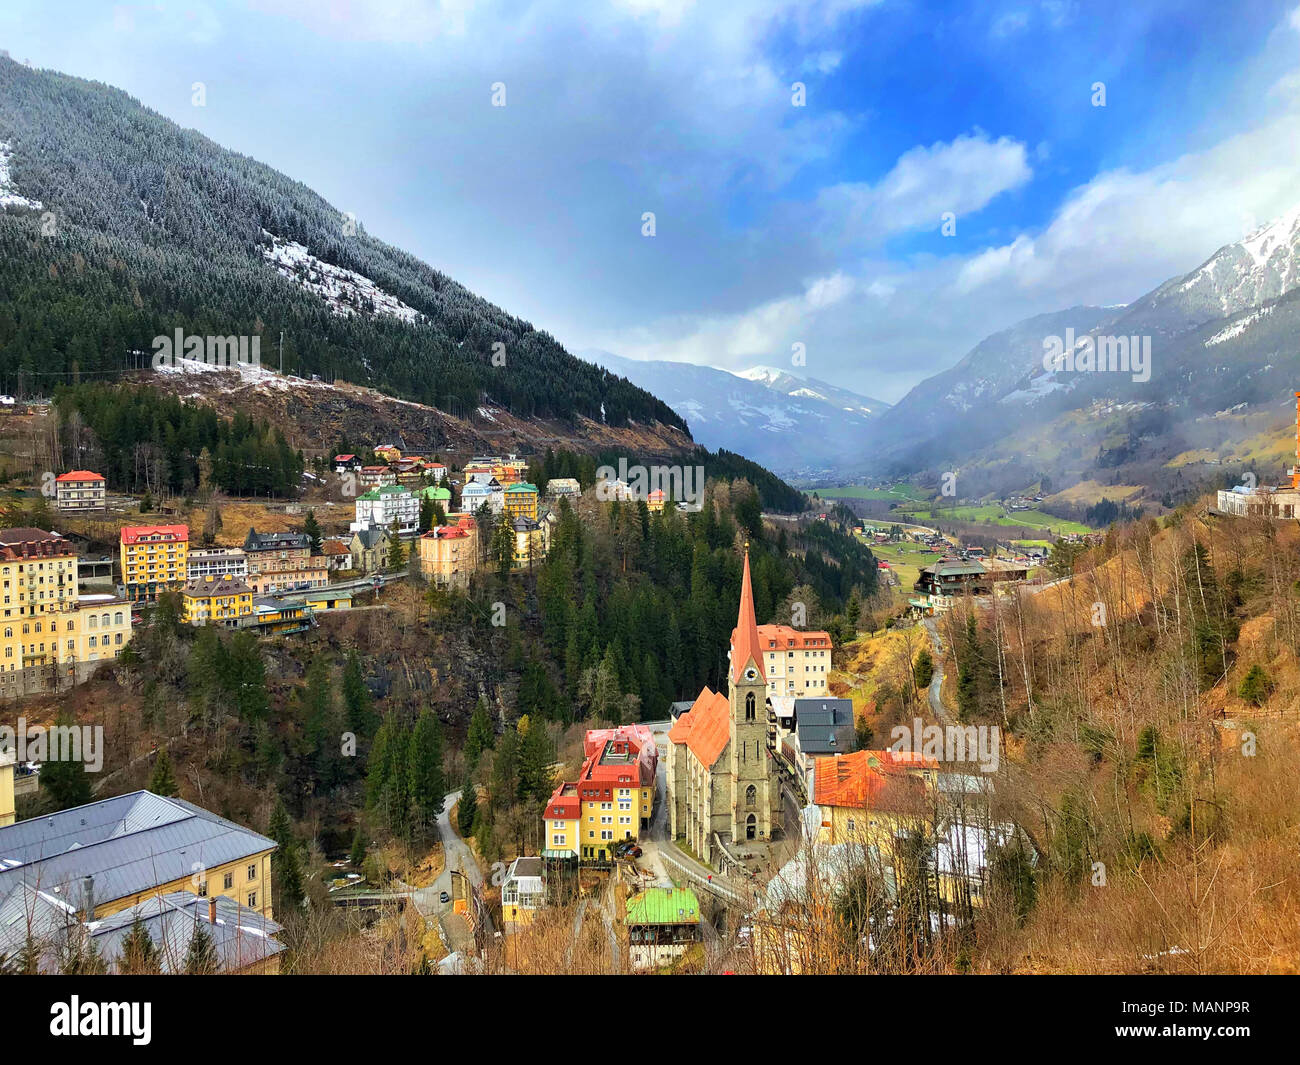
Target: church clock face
[[751, 673]]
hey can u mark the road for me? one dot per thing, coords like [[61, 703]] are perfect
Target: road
[[936, 681], [457, 858]]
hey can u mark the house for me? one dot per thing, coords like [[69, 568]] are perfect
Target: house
[[558, 487], [436, 471], [478, 493], [217, 562], [111, 855], [290, 575], [655, 500], [216, 601], [611, 800], [369, 549], [337, 555], [870, 797], [821, 727], [277, 616], [51, 636], [376, 477], [520, 501], [722, 783], [531, 539], [663, 923], [795, 662], [523, 892], [154, 558], [79, 491], [347, 463], [267, 550], [449, 554], [388, 452], [385, 506], [437, 495]]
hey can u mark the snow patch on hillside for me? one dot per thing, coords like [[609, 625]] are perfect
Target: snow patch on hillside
[[9, 195], [1238, 327], [345, 292]]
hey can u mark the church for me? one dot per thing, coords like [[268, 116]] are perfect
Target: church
[[722, 782]]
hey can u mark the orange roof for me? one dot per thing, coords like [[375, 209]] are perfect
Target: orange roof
[[863, 781], [132, 534], [745, 647], [785, 638], [706, 727], [333, 547], [80, 475]]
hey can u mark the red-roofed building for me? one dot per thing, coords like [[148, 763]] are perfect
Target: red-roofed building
[[78, 491], [154, 559], [609, 803], [722, 783], [795, 662], [871, 796], [449, 553]]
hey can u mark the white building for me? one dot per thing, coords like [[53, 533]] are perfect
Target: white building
[[217, 562], [380, 507]]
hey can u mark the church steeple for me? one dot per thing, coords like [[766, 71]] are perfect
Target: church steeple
[[745, 647]]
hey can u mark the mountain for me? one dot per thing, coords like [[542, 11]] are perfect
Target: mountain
[[118, 226], [809, 388], [794, 427], [1223, 366]]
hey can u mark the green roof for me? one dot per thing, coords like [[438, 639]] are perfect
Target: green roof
[[522, 486], [663, 906], [392, 489], [434, 492]]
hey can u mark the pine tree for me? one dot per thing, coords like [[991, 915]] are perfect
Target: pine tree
[[357, 856], [480, 736], [357, 702], [428, 785], [63, 779], [161, 780], [467, 811], [396, 550], [312, 528], [139, 953], [201, 957]]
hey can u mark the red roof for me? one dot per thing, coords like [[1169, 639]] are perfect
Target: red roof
[[333, 547], [783, 638], [706, 727], [133, 534], [867, 780], [745, 647], [80, 475], [344, 458]]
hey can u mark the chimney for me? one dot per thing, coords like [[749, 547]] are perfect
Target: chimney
[[212, 909], [88, 897]]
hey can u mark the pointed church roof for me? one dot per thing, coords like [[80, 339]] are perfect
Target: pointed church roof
[[744, 645]]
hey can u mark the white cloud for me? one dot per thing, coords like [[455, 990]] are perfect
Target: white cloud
[[960, 176]]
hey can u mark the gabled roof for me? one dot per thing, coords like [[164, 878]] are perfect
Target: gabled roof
[[203, 587], [825, 726], [860, 781], [706, 727], [133, 534], [80, 475], [130, 844]]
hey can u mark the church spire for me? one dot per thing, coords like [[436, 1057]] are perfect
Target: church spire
[[744, 644]]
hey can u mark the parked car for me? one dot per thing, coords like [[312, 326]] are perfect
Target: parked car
[[444, 898]]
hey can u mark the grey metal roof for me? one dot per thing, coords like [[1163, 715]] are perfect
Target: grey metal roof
[[825, 726], [129, 844]]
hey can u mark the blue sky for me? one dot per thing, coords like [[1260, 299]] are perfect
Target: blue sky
[[775, 224]]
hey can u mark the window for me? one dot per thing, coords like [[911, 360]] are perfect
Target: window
[[229, 881], [751, 795], [749, 707], [252, 900], [252, 874]]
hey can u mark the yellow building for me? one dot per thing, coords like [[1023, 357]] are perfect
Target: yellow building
[[795, 662], [449, 553], [531, 540], [135, 847], [49, 636], [611, 801], [521, 501], [154, 559], [216, 601], [6, 788]]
